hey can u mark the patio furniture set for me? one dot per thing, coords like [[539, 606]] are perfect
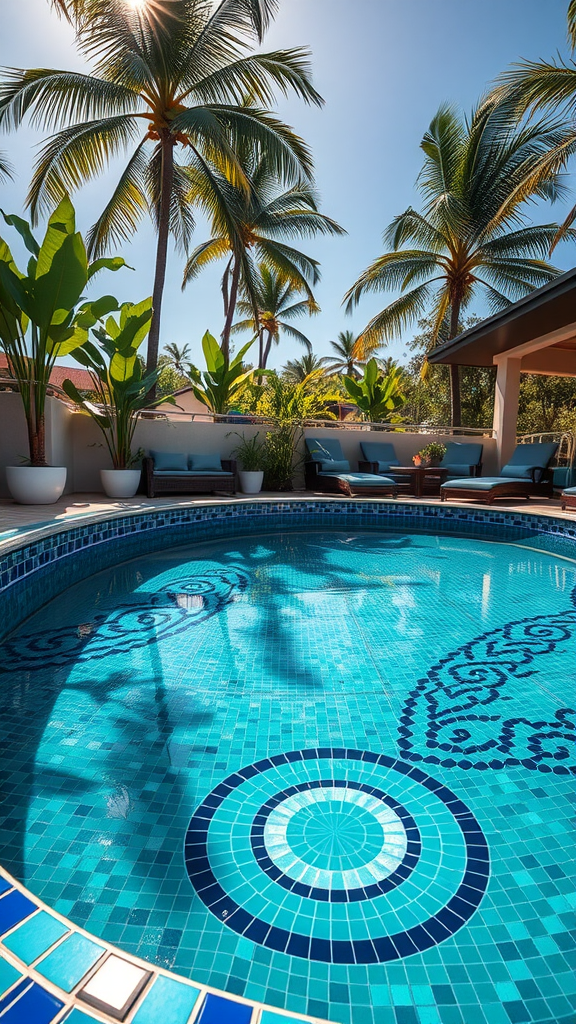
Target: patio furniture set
[[380, 472]]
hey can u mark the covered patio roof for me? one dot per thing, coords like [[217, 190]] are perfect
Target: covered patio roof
[[537, 334], [539, 330]]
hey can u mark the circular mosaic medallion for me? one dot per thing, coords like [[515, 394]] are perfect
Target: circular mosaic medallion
[[343, 856]]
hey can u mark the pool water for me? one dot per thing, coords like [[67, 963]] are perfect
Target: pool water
[[330, 771]]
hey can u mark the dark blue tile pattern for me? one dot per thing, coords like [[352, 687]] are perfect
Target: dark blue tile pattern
[[14, 907], [458, 909], [29, 1003]]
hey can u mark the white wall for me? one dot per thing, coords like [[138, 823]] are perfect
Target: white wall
[[74, 440]]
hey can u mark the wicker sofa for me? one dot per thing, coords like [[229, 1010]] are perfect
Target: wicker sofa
[[176, 473]]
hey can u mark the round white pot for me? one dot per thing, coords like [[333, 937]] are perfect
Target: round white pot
[[120, 483], [36, 485], [251, 483]]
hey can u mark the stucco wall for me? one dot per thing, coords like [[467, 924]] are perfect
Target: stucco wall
[[74, 440]]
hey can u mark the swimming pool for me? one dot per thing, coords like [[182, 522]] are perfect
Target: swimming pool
[[328, 770]]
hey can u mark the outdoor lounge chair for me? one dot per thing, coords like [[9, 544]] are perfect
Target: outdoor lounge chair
[[460, 460], [327, 470], [526, 475], [176, 473], [568, 498]]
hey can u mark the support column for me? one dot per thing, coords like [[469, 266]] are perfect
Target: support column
[[506, 406]]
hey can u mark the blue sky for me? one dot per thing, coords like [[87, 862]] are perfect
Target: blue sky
[[383, 67]]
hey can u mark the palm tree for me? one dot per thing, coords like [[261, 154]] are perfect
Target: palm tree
[[350, 353], [277, 303], [168, 78], [471, 234], [5, 167], [297, 370], [178, 356], [247, 226], [546, 86]]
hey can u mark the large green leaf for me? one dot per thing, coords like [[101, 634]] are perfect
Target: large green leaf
[[122, 367], [212, 353], [23, 229], [107, 263], [61, 276]]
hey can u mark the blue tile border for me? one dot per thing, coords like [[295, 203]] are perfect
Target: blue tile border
[[32, 573]]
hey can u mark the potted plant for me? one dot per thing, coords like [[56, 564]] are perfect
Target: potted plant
[[41, 319], [251, 453], [431, 455], [121, 391]]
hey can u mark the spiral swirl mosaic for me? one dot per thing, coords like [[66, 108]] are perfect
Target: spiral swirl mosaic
[[341, 856]]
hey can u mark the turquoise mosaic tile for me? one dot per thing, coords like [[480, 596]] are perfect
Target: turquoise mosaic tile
[[35, 936], [66, 965], [8, 975], [159, 680], [168, 1000], [79, 1017]]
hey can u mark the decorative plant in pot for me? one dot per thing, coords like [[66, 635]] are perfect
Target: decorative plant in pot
[[251, 453], [431, 455], [41, 319], [122, 391]]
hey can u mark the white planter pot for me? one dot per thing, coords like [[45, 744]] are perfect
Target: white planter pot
[[36, 485], [251, 483], [120, 483]]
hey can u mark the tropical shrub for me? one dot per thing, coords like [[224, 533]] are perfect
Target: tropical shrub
[[221, 384], [41, 315], [121, 387], [378, 395], [251, 453]]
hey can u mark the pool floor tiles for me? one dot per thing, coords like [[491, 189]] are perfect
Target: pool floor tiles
[[241, 670]]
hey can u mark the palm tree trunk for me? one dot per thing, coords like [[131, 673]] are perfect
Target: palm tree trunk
[[167, 181], [266, 352], [231, 308], [455, 396]]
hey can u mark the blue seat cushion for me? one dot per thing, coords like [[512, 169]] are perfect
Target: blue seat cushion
[[204, 462], [320, 450], [518, 472], [367, 479], [538, 455], [381, 452], [335, 466], [569, 490], [480, 483], [191, 472], [457, 470], [166, 461], [459, 453]]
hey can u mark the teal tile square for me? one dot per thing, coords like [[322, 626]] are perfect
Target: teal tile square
[[8, 975], [429, 1015], [79, 1017], [401, 995], [270, 1017], [167, 1000], [423, 995], [66, 965], [35, 936], [380, 995]]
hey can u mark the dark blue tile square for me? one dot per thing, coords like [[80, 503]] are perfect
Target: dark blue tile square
[[14, 908], [518, 1012], [218, 1010], [35, 1006]]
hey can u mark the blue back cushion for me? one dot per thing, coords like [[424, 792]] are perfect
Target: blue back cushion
[[166, 461], [325, 449], [517, 472], [533, 455], [381, 452], [205, 462], [335, 466], [459, 454]]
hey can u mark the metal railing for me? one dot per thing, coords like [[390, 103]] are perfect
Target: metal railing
[[564, 463]]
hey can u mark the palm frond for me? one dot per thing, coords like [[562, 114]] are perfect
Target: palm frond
[[204, 254], [123, 212], [391, 271], [75, 155], [397, 316], [259, 75], [55, 98]]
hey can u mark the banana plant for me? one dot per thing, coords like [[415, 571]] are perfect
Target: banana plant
[[223, 380], [378, 395], [41, 314], [121, 386]]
